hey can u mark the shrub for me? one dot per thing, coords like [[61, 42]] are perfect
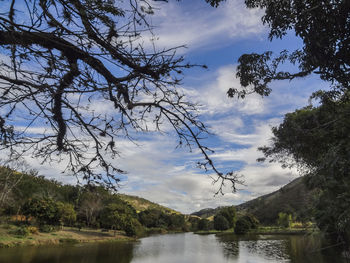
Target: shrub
[[21, 231], [252, 220], [284, 219], [230, 215], [242, 226], [297, 225], [220, 223], [203, 224], [133, 228], [33, 230], [46, 228]]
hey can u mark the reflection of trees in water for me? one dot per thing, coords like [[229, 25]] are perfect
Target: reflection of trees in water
[[230, 245], [313, 248], [231, 249], [269, 249], [263, 246], [87, 253]]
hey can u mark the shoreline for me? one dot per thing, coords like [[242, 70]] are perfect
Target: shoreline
[[264, 231], [64, 236]]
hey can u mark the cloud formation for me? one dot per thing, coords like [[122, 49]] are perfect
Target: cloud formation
[[199, 26]]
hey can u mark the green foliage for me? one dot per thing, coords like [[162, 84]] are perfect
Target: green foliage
[[116, 215], [33, 230], [221, 223], [66, 213], [176, 221], [242, 226], [322, 26], [204, 224], [44, 210], [193, 221], [230, 214], [284, 220], [46, 228], [91, 206], [317, 140], [153, 218], [134, 228], [20, 231], [252, 221]]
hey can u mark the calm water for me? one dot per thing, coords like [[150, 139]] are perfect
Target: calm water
[[179, 248]]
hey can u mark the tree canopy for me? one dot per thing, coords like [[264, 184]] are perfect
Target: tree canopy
[[316, 139], [62, 60], [323, 26]]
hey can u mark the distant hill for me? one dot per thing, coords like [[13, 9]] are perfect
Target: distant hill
[[292, 198], [206, 212], [141, 204]]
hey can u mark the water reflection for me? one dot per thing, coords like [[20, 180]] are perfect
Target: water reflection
[[182, 248], [81, 253]]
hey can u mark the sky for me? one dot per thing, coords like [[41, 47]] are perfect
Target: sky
[[216, 37]]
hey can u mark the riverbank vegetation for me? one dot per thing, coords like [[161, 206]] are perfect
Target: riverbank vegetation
[[40, 211], [12, 235], [37, 210]]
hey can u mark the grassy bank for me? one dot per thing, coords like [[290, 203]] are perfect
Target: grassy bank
[[66, 235], [266, 230]]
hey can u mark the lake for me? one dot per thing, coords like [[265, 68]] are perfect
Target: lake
[[184, 247]]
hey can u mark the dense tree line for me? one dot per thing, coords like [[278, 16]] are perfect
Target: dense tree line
[[49, 204]]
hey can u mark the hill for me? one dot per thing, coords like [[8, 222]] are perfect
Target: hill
[[292, 198], [141, 204], [206, 212]]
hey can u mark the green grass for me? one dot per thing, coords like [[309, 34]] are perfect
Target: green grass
[[66, 235], [266, 230]]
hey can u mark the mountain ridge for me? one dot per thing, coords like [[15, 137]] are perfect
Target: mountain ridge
[[294, 198]]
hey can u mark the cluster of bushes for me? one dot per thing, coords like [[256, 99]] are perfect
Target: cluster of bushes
[[154, 218], [246, 223], [225, 218]]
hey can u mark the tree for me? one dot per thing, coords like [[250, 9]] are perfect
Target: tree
[[8, 181], [316, 140], [284, 219], [90, 205], [230, 214], [44, 210], [62, 58], [203, 224], [113, 216], [11, 174], [154, 218], [176, 222], [67, 214], [242, 226], [252, 220], [221, 223], [120, 216], [323, 27]]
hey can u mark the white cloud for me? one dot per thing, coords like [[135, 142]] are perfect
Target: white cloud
[[213, 95], [203, 26]]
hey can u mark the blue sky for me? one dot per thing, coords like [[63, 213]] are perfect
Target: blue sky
[[162, 173]]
